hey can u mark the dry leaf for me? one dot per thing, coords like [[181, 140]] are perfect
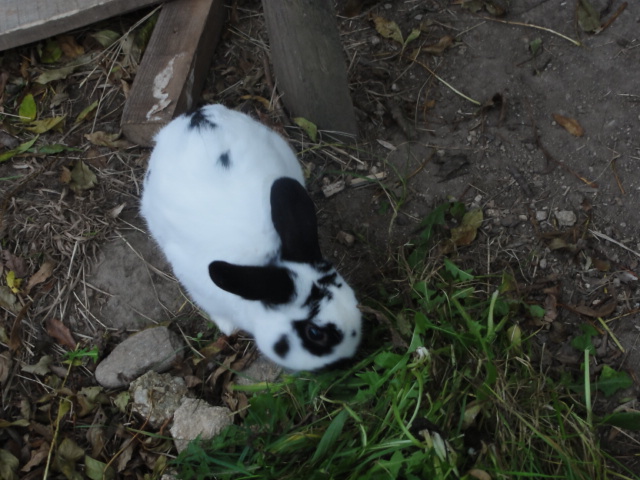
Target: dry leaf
[[571, 125], [69, 46], [388, 29], [604, 310], [104, 139], [468, 229], [439, 47], [37, 457], [45, 271], [82, 178], [41, 368], [8, 300], [60, 332]]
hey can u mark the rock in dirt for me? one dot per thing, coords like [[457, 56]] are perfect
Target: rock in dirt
[[261, 370], [195, 418], [152, 349], [566, 218], [156, 397]]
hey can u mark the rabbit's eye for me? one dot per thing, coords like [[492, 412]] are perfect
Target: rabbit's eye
[[316, 334]]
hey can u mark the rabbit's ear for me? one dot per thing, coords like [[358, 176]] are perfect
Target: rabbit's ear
[[294, 218], [269, 284]]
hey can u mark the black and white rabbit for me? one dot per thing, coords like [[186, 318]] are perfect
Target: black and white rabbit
[[224, 198]]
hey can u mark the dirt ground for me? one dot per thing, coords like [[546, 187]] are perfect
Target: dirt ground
[[561, 210]]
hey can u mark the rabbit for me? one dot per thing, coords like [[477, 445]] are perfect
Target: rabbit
[[224, 199]]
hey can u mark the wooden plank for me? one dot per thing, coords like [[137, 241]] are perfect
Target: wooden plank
[[309, 62], [174, 66], [26, 21]]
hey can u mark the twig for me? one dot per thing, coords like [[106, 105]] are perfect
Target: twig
[[615, 242], [458, 92], [537, 27], [608, 23]]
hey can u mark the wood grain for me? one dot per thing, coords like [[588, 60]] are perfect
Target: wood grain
[[174, 66], [26, 21], [309, 63]]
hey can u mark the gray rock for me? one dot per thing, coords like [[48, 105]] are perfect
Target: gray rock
[[566, 218], [261, 370], [197, 418], [156, 397], [152, 349]]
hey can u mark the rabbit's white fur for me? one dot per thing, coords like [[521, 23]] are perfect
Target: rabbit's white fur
[[217, 182]]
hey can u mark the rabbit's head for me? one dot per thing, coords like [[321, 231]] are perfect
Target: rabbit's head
[[311, 318]]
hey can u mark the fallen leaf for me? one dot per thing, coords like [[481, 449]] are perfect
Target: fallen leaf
[[85, 112], [309, 128], [16, 151], [468, 229], [13, 282], [37, 457], [55, 74], [571, 125], [15, 263], [41, 126], [41, 368], [43, 273], [588, 17], [606, 309], [104, 139], [106, 37], [69, 46], [439, 47], [97, 470], [388, 29], [60, 332], [8, 465], [8, 300], [82, 178], [67, 455], [265, 103], [28, 110], [51, 52]]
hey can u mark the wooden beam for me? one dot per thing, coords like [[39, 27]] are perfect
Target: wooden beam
[[309, 62], [174, 66], [26, 21]]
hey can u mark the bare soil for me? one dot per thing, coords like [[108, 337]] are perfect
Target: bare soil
[[505, 154]]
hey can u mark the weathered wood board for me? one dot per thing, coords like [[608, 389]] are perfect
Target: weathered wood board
[[26, 21], [174, 66], [310, 64]]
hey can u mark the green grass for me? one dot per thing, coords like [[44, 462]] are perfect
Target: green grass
[[451, 393]]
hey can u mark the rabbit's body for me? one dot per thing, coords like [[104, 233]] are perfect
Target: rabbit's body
[[224, 199]]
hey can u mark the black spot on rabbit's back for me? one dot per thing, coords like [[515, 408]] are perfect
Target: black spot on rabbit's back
[[224, 160], [199, 120]]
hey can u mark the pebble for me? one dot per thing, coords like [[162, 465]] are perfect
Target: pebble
[[542, 215], [566, 218], [151, 349], [196, 418], [156, 396], [262, 370]]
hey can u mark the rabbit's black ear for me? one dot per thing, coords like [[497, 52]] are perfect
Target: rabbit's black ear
[[271, 285], [294, 218]]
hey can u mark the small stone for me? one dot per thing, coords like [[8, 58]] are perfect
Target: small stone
[[262, 370], [157, 396], [543, 263], [542, 215], [346, 238], [151, 349], [195, 418], [566, 218]]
